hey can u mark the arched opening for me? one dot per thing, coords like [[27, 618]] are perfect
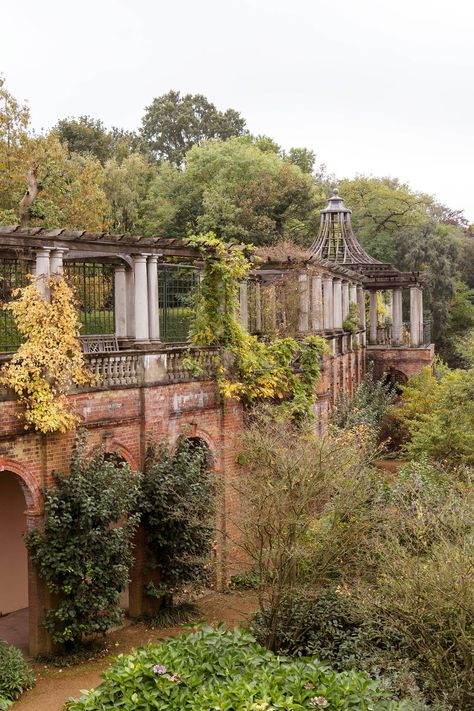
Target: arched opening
[[13, 561], [200, 444], [394, 380]]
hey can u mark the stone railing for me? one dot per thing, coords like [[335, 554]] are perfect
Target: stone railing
[[384, 336], [167, 365]]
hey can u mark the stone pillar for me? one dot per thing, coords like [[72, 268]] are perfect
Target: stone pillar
[[397, 317], [353, 294], [258, 306], [328, 306], [345, 300], [390, 305], [416, 316], [153, 305], [337, 287], [120, 301], [244, 305], [271, 308], [130, 302], [56, 261], [316, 304], [141, 297], [361, 303], [42, 270], [373, 318], [303, 310]]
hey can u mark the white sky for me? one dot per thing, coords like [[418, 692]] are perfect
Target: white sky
[[382, 87]]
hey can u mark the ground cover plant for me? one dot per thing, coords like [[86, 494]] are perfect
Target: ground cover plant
[[213, 669], [15, 675]]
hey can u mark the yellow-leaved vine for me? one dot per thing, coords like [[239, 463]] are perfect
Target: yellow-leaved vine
[[49, 361], [261, 369]]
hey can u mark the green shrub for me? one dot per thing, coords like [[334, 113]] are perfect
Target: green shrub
[[177, 505], [85, 551], [15, 675], [370, 404], [216, 669], [329, 626]]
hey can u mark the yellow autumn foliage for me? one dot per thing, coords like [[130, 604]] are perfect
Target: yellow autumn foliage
[[49, 361]]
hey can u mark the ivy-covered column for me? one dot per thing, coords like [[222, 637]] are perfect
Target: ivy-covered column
[[244, 305]]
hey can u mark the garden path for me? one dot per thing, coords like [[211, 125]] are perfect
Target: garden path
[[54, 685]]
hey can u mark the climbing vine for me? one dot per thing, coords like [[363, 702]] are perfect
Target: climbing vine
[[49, 361], [251, 369]]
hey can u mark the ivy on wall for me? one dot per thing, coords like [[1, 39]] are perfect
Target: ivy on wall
[[50, 360], [251, 369]]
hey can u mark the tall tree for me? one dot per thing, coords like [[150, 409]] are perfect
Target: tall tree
[[85, 135], [236, 190], [126, 184], [41, 183], [173, 124]]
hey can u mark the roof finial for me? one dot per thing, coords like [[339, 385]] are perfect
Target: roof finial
[[335, 192]]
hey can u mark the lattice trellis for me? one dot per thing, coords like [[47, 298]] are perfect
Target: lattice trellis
[[176, 285], [93, 284], [13, 275]]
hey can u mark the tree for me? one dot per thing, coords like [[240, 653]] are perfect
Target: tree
[[41, 183], [172, 124], [235, 190], [304, 158], [85, 135], [126, 185]]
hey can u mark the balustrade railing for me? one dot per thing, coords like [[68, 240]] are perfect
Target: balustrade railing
[[384, 336], [114, 369]]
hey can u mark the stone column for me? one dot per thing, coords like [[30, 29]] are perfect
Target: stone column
[[373, 318], [328, 306], [141, 297], [303, 310], [130, 299], [258, 306], [120, 301], [345, 300], [56, 260], [390, 305], [316, 304], [353, 294], [42, 270], [244, 305], [337, 286], [153, 305], [416, 317], [270, 309], [360, 300], [397, 317]]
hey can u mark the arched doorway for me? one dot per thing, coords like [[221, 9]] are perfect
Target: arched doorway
[[13, 561], [394, 380]]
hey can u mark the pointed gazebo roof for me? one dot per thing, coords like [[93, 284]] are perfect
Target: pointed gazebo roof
[[336, 241], [336, 244]]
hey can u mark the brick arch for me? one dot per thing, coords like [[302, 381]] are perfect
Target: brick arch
[[112, 445], [195, 433], [27, 482]]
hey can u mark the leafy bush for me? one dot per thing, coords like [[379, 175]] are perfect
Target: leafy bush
[[216, 669], [439, 416], [15, 675], [352, 322], [177, 504], [328, 624], [370, 404], [301, 508], [85, 551]]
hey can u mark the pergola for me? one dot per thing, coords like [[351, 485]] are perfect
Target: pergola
[[337, 244]]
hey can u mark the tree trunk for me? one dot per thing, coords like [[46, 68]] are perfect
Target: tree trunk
[[29, 197]]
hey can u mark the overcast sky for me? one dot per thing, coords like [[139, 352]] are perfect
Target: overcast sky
[[382, 87]]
